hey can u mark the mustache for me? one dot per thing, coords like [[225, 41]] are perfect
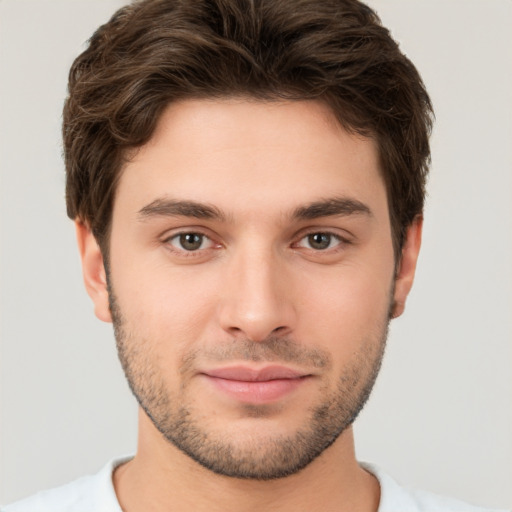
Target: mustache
[[274, 349]]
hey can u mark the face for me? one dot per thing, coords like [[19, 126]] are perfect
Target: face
[[251, 281]]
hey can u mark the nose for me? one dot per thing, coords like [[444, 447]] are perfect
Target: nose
[[257, 296]]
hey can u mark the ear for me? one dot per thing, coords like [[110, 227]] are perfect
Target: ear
[[93, 271], [407, 267]]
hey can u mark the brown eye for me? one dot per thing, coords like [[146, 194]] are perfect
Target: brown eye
[[189, 241], [320, 241]]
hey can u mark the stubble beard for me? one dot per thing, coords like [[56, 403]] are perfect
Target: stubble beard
[[261, 458]]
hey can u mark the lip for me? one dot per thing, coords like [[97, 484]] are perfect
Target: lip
[[244, 373], [256, 385]]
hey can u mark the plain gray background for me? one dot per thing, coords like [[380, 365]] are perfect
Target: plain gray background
[[440, 417]]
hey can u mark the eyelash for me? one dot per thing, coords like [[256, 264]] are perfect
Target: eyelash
[[340, 243], [193, 252]]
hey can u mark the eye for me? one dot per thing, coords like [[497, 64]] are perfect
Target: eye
[[320, 241], [190, 242]]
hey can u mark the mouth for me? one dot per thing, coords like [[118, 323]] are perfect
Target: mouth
[[256, 385]]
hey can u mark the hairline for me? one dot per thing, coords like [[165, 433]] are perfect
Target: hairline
[[128, 153]]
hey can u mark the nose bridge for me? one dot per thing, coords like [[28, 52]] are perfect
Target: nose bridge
[[256, 301]]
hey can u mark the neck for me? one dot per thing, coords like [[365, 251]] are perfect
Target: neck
[[162, 478]]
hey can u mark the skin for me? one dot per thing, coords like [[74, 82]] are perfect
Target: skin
[[257, 275]]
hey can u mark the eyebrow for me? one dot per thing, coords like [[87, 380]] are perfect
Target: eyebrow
[[333, 207], [175, 208]]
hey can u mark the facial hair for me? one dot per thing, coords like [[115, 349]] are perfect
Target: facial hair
[[263, 457]]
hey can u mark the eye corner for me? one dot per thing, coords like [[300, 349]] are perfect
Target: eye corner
[[332, 246], [189, 243], [320, 240]]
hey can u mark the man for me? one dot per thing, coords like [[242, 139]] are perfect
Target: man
[[247, 181]]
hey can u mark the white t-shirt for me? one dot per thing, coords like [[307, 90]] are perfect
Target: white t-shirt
[[95, 493]]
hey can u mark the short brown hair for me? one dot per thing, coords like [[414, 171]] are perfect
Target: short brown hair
[[154, 52]]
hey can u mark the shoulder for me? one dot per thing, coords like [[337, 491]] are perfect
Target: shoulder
[[91, 493], [395, 498]]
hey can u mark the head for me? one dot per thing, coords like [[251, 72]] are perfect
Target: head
[[248, 182], [153, 53]]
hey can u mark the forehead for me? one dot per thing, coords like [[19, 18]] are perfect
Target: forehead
[[251, 156]]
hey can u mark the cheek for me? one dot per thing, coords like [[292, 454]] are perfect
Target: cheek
[[347, 309], [168, 307]]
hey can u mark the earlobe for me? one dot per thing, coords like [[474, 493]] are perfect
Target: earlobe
[[93, 270], [405, 273]]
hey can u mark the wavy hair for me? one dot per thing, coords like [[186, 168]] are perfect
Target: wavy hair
[[154, 52]]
